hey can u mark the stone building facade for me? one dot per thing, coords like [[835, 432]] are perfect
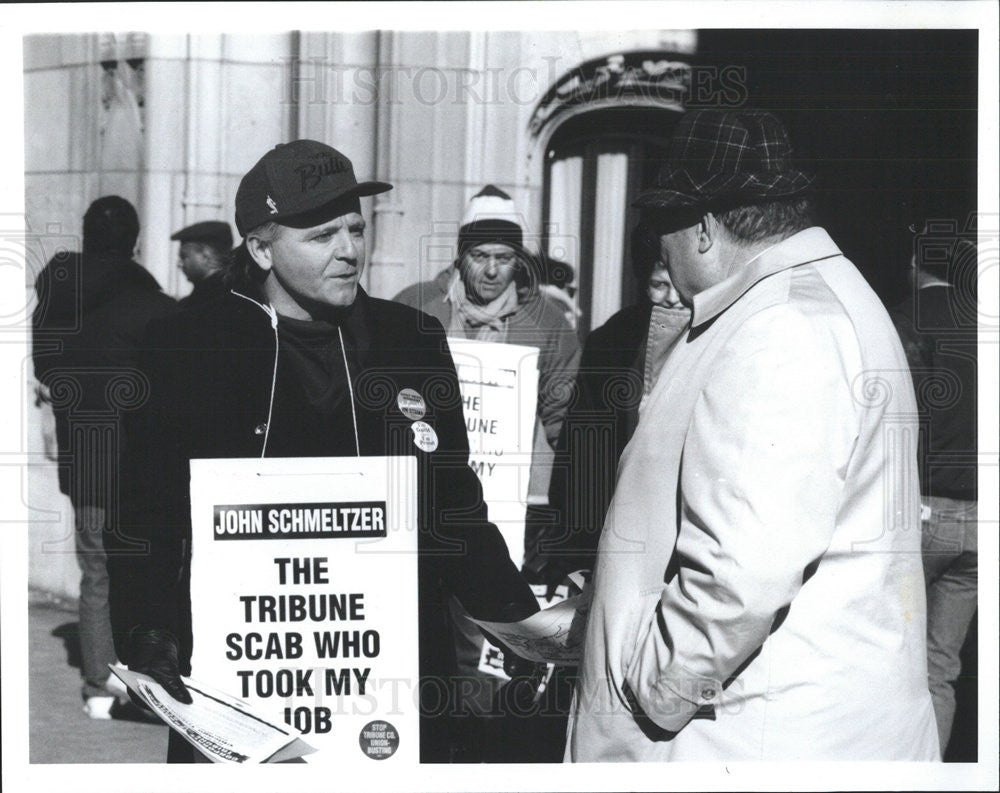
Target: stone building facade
[[571, 124]]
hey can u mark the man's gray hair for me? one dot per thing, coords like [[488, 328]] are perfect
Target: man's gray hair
[[239, 268], [779, 218]]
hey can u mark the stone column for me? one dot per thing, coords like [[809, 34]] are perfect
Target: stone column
[[336, 95], [388, 212], [163, 155], [202, 198]]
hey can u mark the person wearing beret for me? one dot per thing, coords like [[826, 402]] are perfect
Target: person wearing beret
[[758, 590], [298, 361], [203, 251]]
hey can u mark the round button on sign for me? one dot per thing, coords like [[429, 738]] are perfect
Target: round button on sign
[[424, 436], [411, 404], [379, 740]]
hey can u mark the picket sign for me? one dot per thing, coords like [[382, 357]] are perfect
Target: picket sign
[[499, 384], [304, 598]]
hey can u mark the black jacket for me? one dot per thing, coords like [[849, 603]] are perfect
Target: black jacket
[[938, 331], [603, 414], [210, 379], [207, 289], [90, 317]]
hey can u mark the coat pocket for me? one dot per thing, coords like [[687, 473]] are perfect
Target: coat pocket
[[642, 620], [645, 682]]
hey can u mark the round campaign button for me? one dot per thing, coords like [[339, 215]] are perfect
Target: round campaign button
[[424, 436], [411, 404], [379, 740]]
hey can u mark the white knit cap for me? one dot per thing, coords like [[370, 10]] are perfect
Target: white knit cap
[[491, 217]]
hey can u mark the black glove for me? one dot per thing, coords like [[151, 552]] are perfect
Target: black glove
[[555, 572], [155, 652], [520, 693], [515, 665]]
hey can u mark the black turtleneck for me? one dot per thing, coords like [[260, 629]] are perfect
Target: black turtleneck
[[314, 383]]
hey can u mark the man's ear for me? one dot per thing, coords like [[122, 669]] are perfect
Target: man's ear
[[260, 252], [707, 231]]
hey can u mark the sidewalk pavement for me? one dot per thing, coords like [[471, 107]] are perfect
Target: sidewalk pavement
[[59, 732]]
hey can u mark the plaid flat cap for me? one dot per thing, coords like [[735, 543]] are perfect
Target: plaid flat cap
[[725, 157]]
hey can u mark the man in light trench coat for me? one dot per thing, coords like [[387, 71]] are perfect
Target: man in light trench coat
[[758, 590]]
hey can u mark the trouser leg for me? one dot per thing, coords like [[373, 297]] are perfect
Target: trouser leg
[[96, 643], [951, 566], [180, 751], [951, 604]]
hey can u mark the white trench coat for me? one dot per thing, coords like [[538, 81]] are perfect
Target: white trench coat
[[759, 568]]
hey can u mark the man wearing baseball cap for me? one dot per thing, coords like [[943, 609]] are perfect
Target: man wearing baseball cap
[[299, 361], [758, 587], [204, 247]]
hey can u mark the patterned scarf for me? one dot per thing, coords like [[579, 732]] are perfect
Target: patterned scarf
[[483, 323]]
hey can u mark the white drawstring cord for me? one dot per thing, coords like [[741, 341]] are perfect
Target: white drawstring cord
[[274, 375], [273, 314], [350, 391], [274, 380]]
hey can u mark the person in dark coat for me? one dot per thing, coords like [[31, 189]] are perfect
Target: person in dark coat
[[937, 324], [619, 364], [204, 248], [299, 361], [91, 313]]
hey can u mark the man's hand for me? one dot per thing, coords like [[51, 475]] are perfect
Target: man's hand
[[521, 693], [560, 571], [42, 394], [43, 401], [155, 652]]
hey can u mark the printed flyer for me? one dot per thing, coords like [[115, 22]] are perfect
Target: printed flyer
[[222, 728]]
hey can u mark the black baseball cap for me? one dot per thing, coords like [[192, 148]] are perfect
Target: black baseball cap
[[294, 182], [211, 232]]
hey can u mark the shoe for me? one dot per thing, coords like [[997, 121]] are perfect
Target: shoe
[[129, 711], [99, 707]]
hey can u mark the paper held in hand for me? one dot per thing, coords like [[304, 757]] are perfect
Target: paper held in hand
[[222, 728], [553, 635]]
